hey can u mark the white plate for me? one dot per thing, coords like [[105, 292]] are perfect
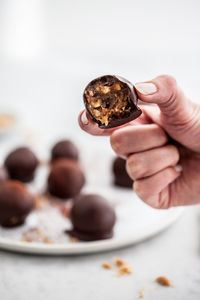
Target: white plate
[[135, 220]]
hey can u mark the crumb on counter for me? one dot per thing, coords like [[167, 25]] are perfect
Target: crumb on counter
[[124, 270], [106, 266], [164, 281], [119, 266], [119, 262], [141, 293]]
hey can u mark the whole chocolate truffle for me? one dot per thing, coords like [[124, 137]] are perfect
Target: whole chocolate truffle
[[111, 101], [21, 164], [92, 217], [3, 174], [15, 203], [121, 177], [66, 179], [64, 149]]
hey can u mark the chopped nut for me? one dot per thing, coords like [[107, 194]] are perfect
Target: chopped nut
[[125, 270], [73, 239], [106, 266], [96, 113], [96, 103], [105, 120], [47, 241], [117, 87], [141, 292], [119, 262], [105, 89], [162, 280], [91, 93]]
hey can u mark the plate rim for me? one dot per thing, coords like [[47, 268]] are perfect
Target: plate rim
[[90, 247]]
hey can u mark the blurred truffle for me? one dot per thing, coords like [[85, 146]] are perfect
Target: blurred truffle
[[21, 164], [111, 101], [3, 174], [92, 217], [121, 177], [64, 149], [15, 203], [66, 179]]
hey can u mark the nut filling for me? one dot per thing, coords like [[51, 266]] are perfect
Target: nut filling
[[108, 99]]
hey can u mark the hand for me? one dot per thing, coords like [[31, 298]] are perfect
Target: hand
[[162, 146]]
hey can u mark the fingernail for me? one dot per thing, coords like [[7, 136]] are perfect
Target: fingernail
[[178, 168], [146, 88], [84, 118]]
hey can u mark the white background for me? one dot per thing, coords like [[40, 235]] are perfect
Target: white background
[[49, 50]]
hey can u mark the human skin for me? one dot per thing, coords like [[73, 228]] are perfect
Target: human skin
[[162, 146]]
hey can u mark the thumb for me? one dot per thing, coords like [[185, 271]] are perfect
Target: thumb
[[175, 107]]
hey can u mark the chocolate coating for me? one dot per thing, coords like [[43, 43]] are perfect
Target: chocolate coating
[[66, 179], [121, 177], [92, 218], [15, 203], [21, 164], [3, 174], [64, 149], [111, 101]]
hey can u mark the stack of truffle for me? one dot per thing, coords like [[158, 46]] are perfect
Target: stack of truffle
[[91, 215]]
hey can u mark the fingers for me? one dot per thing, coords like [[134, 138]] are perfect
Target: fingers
[[150, 162], [155, 190], [133, 139], [164, 91]]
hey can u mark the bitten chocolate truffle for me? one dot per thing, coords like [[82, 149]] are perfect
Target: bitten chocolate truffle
[[21, 164], [64, 149], [15, 203], [92, 217], [121, 177], [3, 174], [111, 101], [66, 179]]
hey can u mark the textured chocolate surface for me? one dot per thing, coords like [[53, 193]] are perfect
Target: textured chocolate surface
[[66, 179], [111, 101], [92, 217], [21, 164], [15, 203], [64, 149], [121, 177]]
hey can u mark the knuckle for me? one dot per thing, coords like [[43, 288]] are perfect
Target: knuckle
[[175, 153], [135, 166], [139, 189], [116, 141], [161, 134], [169, 80]]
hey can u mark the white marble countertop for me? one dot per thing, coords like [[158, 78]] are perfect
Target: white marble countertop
[[48, 52], [175, 253]]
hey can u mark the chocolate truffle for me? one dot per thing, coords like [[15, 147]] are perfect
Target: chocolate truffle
[[3, 174], [92, 217], [15, 203], [21, 164], [66, 179], [121, 177], [111, 101], [64, 149]]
